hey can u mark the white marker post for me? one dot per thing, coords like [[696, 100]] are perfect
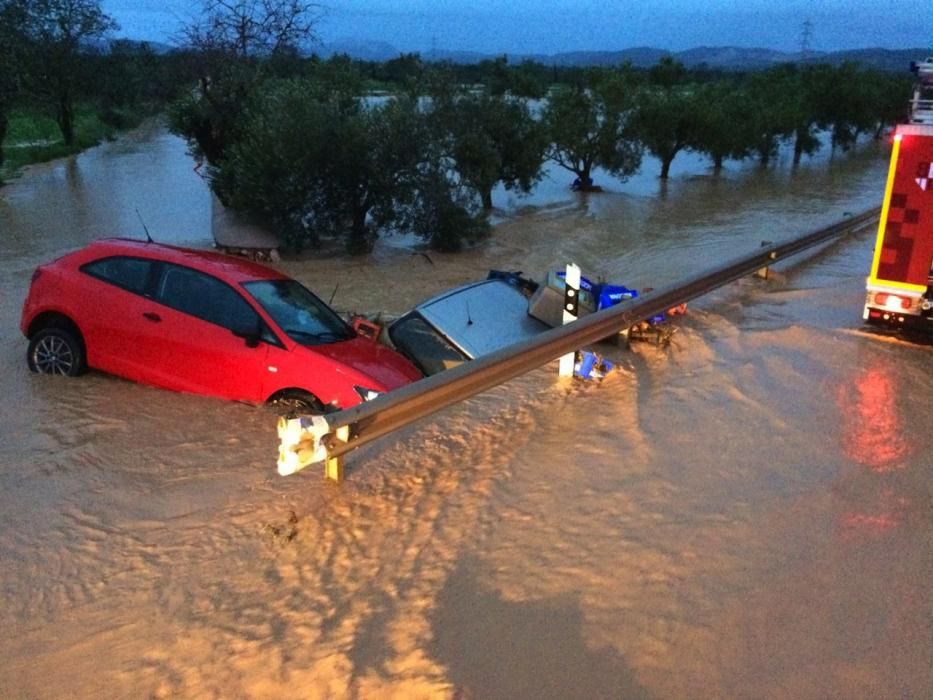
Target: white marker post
[[571, 311]]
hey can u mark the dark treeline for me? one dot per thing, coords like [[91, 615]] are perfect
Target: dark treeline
[[304, 143], [55, 67], [307, 153]]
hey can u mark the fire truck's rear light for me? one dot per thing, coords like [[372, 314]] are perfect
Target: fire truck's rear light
[[892, 301]]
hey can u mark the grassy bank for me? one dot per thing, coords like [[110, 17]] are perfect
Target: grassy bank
[[35, 138]]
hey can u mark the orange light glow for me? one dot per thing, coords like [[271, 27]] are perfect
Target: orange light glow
[[888, 513], [872, 433], [878, 522]]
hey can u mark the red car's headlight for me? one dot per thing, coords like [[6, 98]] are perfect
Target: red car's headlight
[[367, 394]]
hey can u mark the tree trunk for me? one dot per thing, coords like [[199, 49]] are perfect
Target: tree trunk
[[359, 241], [584, 181], [4, 124], [486, 194], [798, 148], [717, 162], [764, 154], [666, 166], [65, 119]]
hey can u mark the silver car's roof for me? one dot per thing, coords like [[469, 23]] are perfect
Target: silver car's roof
[[482, 317]]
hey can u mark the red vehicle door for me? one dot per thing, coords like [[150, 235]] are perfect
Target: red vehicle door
[[116, 315], [206, 338]]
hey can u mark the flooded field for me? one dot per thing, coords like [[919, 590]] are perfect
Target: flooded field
[[746, 514]]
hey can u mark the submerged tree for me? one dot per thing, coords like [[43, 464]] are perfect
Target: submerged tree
[[771, 116], [665, 117], [443, 212], [488, 139], [590, 128], [889, 99], [853, 105], [666, 123], [805, 95], [723, 116], [317, 165]]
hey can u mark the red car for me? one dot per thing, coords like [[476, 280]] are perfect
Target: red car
[[202, 323]]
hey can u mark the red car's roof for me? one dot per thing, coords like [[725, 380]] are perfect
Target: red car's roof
[[224, 266]]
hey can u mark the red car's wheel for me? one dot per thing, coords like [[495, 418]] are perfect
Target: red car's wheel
[[56, 351], [296, 403]]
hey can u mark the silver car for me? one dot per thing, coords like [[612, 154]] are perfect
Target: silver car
[[467, 322]]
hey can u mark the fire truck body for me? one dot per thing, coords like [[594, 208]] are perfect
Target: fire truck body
[[900, 286]]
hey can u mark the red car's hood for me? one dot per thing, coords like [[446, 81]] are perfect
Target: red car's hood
[[372, 359]]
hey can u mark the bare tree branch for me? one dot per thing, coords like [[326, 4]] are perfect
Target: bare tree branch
[[249, 28]]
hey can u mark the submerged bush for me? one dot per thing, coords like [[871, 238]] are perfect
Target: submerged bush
[[316, 164]]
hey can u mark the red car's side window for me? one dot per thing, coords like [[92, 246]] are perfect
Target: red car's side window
[[205, 297], [131, 274]]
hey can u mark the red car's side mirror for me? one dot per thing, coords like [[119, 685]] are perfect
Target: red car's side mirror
[[366, 328]]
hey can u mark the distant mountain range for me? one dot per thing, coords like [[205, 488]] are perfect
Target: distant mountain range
[[719, 57]]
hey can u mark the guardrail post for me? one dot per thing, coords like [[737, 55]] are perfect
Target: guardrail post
[[765, 271], [300, 442], [571, 311], [333, 466]]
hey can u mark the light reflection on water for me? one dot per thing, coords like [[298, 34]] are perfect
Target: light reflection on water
[[743, 515], [872, 433]]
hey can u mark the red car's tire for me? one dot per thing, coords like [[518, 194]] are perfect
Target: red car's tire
[[295, 402], [56, 351]]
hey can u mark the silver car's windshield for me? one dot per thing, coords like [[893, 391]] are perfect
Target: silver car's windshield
[[302, 316]]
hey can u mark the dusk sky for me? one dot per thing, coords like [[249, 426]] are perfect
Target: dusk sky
[[551, 26]]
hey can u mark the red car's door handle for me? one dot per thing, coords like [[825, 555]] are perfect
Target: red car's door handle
[[152, 316]]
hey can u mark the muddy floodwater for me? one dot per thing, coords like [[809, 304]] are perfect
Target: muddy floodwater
[[746, 514]]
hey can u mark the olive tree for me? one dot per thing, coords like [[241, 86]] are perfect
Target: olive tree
[[723, 116], [772, 114], [488, 139], [12, 49], [665, 116], [857, 103], [589, 127], [59, 32], [315, 165]]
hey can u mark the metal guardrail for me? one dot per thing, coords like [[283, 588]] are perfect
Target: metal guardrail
[[335, 434]]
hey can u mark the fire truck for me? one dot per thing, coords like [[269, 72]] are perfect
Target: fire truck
[[899, 290]]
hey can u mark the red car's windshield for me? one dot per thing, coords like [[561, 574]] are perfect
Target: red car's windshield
[[302, 316]]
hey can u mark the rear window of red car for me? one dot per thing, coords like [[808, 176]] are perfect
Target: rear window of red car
[[132, 274]]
